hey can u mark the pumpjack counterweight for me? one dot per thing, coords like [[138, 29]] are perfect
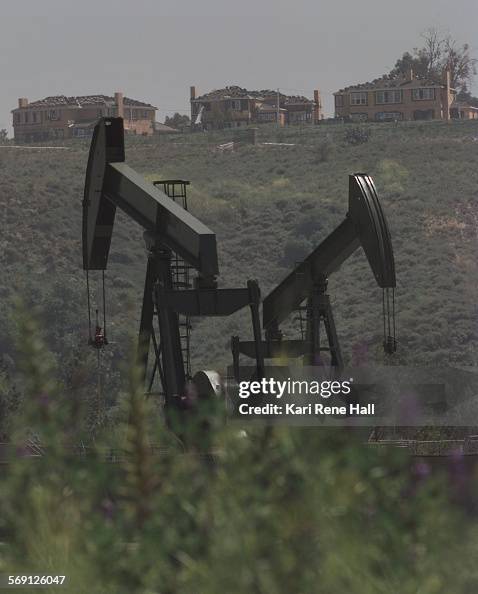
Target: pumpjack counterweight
[[174, 239]]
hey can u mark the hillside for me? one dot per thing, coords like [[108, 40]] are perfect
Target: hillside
[[269, 205]]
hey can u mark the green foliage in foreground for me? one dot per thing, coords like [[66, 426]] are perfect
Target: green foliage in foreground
[[280, 511]]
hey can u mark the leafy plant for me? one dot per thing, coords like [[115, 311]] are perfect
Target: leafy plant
[[357, 135]]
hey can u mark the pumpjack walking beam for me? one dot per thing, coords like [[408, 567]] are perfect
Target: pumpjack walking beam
[[364, 225], [168, 229]]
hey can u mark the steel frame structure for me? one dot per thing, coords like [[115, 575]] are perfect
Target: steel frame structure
[[169, 229]]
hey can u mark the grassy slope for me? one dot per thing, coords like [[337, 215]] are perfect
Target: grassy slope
[[269, 206]]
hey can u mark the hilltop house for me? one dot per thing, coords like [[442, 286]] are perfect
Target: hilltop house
[[234, 106], [406, 97], [75, 117]]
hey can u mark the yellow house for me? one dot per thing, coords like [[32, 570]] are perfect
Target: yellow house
[[406, 97]]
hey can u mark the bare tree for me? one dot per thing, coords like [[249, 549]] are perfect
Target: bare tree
[[439, 52], [432, 51], [461, 64]]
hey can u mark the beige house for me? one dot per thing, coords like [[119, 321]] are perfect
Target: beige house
[[406, 97], [234, 106], [74, 117]]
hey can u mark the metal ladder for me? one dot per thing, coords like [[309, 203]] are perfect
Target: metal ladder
[[176, 189]]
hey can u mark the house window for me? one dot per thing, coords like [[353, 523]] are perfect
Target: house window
[[339, 100], [27, 117], [34, 117], [423, 94], [17, 118], [236, 104], [53, 114], [145, 114], [388, 97], [358, 99], [383, 116]]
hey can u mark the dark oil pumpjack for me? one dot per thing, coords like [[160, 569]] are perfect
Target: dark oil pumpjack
[[364, 225], [172, 234]]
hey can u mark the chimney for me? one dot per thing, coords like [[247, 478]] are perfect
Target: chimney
[[318, 106], [22, 102], [409, 74], [447, 77], [193, 92], [119, 104], [448, 96]]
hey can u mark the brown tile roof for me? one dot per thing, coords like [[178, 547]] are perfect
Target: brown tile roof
[[388, 81], [60, 100], [236, 92]]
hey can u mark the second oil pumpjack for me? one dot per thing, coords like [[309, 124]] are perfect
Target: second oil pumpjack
[[364, 226]]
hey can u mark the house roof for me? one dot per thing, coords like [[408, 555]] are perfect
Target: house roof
[[81, 100], [462, 105], [163, 129], [236, 92], [297, 100], [392, 82]]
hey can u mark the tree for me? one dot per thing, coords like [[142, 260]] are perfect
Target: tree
[[3, 135], [438, 53], [177, 121], [460, 63]]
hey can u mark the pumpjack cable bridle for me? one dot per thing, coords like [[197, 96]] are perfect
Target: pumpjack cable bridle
[[389, 320], [93, 339], [98, 340]]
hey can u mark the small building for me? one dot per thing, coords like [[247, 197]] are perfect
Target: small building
[[404, 97], [62, 117], [235, 106], [460, 110]]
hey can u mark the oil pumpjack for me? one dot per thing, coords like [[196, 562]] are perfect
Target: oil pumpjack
[[364, 225], [170, 232]]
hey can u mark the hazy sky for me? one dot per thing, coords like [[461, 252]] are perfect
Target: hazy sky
[[154, 50]]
